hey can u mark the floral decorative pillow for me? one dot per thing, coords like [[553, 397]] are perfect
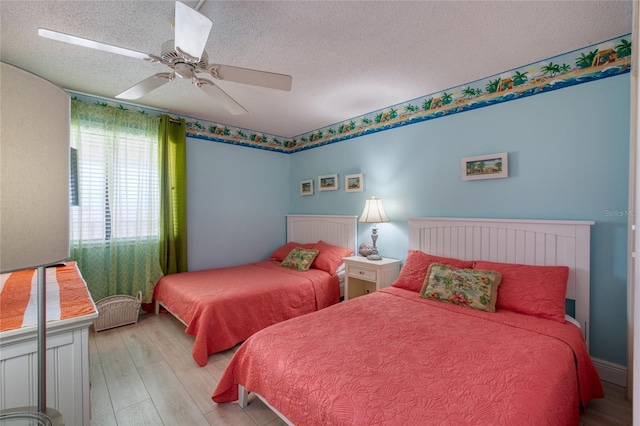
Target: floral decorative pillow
[[474, 288], [299, 259]]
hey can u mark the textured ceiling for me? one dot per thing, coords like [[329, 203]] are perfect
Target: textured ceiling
[[347, 58]]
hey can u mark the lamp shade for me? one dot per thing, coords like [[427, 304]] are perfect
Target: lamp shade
[[373, 212], [34, 171]]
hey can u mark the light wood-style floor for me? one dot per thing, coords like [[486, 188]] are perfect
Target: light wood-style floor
[[143, 374]]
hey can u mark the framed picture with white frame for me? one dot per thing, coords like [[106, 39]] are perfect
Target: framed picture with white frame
[[328, 182], [306, 187], [353, 183], [490, 166]]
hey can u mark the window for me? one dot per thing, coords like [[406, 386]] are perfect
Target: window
[[114, 225], [116, 177]]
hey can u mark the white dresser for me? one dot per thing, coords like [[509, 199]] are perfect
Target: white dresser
[[67, 368]]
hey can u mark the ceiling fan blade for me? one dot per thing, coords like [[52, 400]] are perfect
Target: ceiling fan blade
[[192, 30], [85, 42], [249, 76], [145, 86], [221, 97]]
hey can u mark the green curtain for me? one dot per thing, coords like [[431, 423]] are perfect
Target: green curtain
[[172, 159], [114, 226]]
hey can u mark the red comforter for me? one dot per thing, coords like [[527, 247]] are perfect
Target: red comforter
[[392, 357], [224, 306]]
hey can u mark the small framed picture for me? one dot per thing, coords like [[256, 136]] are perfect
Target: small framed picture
[[353, 183], [328, 182], [491, 166], [306, 187]]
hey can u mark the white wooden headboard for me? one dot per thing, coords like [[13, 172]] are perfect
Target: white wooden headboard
[[532, 242], [332, 229]]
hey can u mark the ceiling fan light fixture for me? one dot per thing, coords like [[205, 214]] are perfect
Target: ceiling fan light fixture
[[183, 70]]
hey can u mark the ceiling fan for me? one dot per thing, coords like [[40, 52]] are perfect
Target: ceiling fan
[[186, 57]]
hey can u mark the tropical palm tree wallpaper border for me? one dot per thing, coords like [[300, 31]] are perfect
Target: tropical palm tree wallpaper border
[[601, 60]]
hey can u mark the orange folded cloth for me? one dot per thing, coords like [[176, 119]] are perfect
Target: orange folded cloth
[[67, 296]]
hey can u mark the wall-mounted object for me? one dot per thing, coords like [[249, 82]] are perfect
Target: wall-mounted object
[[353, 183], [306, 187], [328, 182], [490, 166]]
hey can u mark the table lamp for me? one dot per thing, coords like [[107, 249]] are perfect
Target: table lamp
[[374, 213]]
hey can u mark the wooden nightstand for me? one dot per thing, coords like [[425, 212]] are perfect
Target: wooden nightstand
[[364, 276]]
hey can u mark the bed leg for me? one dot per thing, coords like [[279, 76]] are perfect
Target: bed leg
[[156, 307], [243, 396]]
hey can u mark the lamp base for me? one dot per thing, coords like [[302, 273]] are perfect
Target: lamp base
[[375, 256], [30, 416]]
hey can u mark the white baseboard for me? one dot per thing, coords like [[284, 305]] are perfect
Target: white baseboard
[[610, 372]]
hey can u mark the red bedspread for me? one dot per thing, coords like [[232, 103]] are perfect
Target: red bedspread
[[392, 357], [224, 306]]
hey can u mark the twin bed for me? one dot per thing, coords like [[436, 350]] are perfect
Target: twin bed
[[395, 357], [224, 306]]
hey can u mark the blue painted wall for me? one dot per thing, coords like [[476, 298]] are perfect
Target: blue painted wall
[[237, 200], [568, 159]]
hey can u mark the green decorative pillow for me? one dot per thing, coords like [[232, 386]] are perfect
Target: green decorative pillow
[[477, 289], [299, 259]]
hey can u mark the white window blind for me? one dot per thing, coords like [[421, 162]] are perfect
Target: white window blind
[[117, 181]]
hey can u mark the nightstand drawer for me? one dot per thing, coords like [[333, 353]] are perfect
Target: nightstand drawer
[[365, 274]]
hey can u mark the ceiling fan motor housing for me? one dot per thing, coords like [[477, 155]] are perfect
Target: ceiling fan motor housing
[[182, 67]]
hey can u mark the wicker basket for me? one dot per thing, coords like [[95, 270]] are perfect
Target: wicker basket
[[114, 311]]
